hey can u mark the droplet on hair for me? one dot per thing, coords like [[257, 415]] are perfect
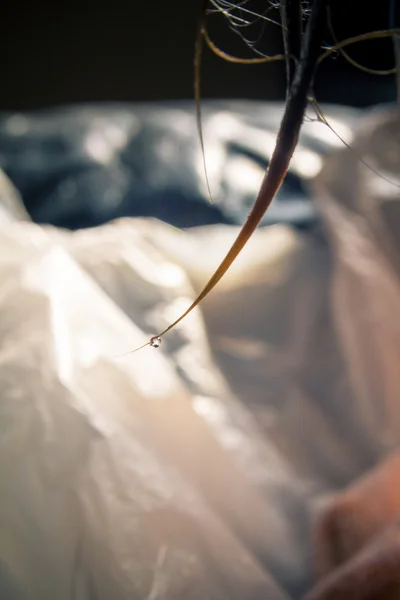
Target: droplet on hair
[[155, 342]]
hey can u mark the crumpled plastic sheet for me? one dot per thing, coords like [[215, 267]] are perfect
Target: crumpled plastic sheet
[[82, 166], [11, 204], [195, 471]]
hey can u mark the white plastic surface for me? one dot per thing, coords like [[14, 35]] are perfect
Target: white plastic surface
[[192, 471]]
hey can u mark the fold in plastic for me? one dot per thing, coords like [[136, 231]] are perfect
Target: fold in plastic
[[194, 471]]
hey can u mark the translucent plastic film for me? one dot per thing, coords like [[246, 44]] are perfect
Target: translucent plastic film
[[193, 471]]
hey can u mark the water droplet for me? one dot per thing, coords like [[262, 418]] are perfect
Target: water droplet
[[155, 342]]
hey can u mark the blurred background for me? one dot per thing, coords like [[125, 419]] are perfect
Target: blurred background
[[116, 132], [193, 471], [134, 50]]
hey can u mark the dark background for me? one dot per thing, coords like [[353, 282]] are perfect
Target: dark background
[[52, 54]]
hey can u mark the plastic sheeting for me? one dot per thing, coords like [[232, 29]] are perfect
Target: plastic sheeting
[[194, 471], [11, 205], [82, 166]]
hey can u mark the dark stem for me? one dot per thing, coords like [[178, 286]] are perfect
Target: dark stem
[[291, 34], [286, 143]]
